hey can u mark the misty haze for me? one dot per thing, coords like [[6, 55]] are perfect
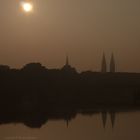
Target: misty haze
[[69, 69]]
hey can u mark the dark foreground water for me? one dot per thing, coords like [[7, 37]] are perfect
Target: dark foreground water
[[127, 127]]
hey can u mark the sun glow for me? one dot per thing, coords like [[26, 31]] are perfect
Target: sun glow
[[27, 6]]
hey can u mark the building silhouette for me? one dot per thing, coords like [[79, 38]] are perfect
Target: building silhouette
[[104, 118], [112, 63], [67, 67], [112, 117], [103, 65], [36, 94]]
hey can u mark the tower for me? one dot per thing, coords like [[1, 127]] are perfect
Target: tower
[[112, 63], [112, 117], [67, 123], [103, 65], [104, 118], [67, 68]]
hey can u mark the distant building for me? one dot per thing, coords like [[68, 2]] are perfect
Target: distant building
[[67, 67], [104, 118], [112, 117], [4, 68], [103, 65], [33, 67], [112, 64]]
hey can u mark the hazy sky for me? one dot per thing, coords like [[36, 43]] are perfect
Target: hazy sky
[[84, 29], [81, 28]]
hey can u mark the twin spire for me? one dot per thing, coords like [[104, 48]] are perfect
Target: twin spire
[[112, 118], [104, 65], [104, 70], [112, 114]]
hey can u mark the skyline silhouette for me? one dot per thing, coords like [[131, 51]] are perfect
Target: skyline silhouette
[[67, 66], [34, 94], [75, 62], [53, 29]]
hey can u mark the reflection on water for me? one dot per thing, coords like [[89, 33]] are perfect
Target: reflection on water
[[82, 128]]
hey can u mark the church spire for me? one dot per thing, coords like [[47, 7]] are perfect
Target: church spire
[[104, 118], [112, 117], [67, 123], [103, 66], [112, 63]]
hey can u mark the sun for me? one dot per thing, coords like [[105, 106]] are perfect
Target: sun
[[27, 6]]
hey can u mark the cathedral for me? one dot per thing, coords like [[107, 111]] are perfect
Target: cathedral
[[112, 68], [67, 67]]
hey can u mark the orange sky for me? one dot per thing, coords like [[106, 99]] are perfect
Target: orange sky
[[81, 28]]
